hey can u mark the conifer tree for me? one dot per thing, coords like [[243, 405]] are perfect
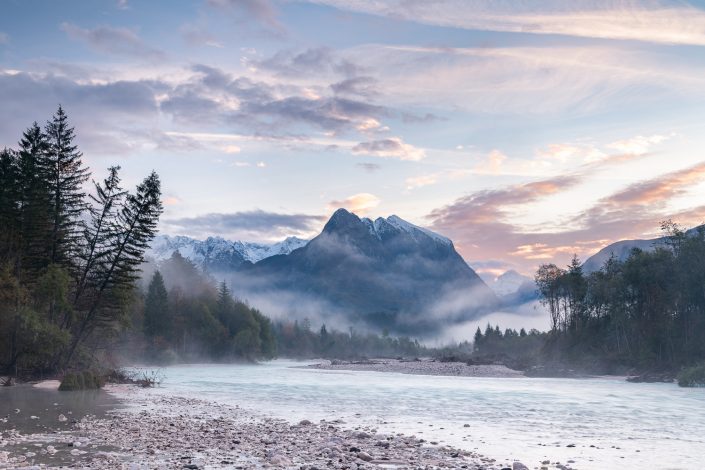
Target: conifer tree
[[135, 227], [9, 211], [33, 203], [66, 175], [99, 232], [156, 308]]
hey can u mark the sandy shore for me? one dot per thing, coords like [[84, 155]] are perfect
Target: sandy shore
[[156, 430], [421, 367]]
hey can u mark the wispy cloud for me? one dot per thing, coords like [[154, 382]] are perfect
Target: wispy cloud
[[361, 203], [652, 21], [369, 167], [119, 41], [245, 11], [392, 147], [483, 223], [248, 225]]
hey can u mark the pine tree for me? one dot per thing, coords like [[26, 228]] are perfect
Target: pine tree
[[66, 177], [156, 308]]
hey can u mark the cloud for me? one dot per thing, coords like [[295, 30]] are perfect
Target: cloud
[[484, 224], [494, 163], [118, 41], [360, 203], [356, 86], [392, 147], [369, 167], [244, 11], [248, 225], [195, 35], [639, 144], [646, 198], [109, 117], [267, 109], [653, 21], [4, 38], [313, 61], [420, 181], [526, 79]]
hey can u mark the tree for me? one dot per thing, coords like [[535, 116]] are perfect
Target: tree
[[100, 231], [66, 175], [156, 308], [33, 204], [136, 226]]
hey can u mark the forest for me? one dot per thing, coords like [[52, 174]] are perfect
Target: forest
[[646, 312], [69, 259]]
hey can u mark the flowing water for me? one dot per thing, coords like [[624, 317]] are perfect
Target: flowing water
[[595, 423]]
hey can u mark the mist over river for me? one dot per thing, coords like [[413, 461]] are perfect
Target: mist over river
[[596, 423]]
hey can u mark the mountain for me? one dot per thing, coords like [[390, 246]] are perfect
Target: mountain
[[385, 273], [217, 254], [513, 288], [621, 249], [508, 283]]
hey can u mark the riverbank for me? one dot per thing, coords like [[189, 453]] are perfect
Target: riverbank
[[157, 430], [421, 367]]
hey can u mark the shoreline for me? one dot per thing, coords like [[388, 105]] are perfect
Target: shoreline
[[157, 430], [421, 367]]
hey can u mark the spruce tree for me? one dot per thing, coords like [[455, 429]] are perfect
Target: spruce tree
[[99, 233], [33, 202], [67, 199], [156, 308], [9, 209], [135, 227]]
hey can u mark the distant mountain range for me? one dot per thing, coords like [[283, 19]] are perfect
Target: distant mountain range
[[217, 254], [383, 273]]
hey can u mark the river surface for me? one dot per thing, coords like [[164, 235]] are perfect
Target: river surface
[[595, 423]]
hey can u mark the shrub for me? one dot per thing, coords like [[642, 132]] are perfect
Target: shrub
[[692, 376], [85, 380], [70, 383]]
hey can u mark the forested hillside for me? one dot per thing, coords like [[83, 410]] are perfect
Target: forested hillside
[[647, 311]]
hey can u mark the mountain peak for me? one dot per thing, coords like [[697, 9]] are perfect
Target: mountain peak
[[341, 218]]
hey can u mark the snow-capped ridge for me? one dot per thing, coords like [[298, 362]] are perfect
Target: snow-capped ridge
[[381, 225], [212, 249]]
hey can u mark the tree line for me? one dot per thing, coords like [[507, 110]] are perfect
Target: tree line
[[299, 340], [187, 317], [647, 311], [69, 259]]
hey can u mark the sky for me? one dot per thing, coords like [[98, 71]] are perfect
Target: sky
[[525, 131]]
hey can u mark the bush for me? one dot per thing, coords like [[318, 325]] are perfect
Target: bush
[[692, 376], [85, 380]]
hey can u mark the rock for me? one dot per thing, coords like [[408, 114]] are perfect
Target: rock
[[62, 418], [362, 435], [519, 466], [51, 450], [466, 425], [305, 422], [364, 456], [279, 459]]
